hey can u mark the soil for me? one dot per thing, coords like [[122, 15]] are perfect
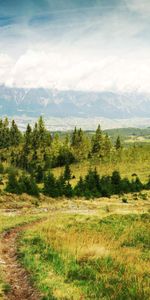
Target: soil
[[16, 276]]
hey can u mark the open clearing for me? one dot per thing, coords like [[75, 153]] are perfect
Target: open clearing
[[83, 249]]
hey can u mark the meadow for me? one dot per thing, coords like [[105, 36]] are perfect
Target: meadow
[[83, 249], [83, 256]]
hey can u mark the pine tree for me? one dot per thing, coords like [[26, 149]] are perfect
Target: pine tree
[[67, 172], [74, 138], [35, 137], [97, 142], [50, 187], [80, 144], [118, 145], [116, 182], [107, 146], [28, 185], [12, 184], [68, 192], [79, 189], [45, 138], [28, 135], [39, 174], [60, 186], [15, 134], [4, 134]]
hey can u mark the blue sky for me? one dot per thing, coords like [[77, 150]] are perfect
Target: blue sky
[[80, 45]]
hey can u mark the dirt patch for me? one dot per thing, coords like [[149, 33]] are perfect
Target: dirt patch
[[16, 276]]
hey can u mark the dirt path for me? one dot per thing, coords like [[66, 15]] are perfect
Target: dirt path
[[16, 276]]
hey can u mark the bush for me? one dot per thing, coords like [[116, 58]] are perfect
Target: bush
[[124, 200]]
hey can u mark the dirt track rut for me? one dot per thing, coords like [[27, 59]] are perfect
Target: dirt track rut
[[16, 276]]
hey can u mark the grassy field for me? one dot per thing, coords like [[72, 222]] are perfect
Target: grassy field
[[84, 249], [141, 168], [94, 250]]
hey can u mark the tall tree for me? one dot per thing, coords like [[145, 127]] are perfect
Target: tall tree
[[97, 142], [118, 145], [15, 134]]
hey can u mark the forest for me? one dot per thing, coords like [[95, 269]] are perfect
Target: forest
[[27, 161]]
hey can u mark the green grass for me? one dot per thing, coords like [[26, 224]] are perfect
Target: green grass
[[80, 257], [134, 160]]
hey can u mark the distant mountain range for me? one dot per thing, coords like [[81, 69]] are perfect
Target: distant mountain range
[[53, 103]]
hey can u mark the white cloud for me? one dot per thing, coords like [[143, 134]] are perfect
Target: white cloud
[[102, 52], [6, 64], [141, 7], [74, 70]]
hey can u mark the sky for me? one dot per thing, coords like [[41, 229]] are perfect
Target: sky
[[88, 45]]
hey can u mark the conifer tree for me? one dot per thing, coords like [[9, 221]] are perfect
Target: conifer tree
[[80, 144], [118, 145], [107, 146], [12, 184], [74, 138], [39, 174], [28, 185], [35, 137], [50, 187], [79, 189], [97, 142], [60, 186], [4, 133], [67, 172], [28, 135], [15, 134], [68, 192]]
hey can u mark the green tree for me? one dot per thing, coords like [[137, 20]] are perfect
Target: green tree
[[28, 185], [68, 192], [80, 144], [15, 134], [50, 186], [28, 135], [118, 145], [97, 143], [12, 184], [4, 134], [79, 189], [39, 174], [67, 172]]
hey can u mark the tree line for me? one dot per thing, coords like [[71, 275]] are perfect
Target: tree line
[[91, 186], [37, 149]]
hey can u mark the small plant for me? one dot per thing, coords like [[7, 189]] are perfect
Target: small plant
[[143, 196], [135, 196], [6, 288], [107, 209], [124, 200]]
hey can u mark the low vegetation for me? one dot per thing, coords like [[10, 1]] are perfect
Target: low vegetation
[[86, 257]]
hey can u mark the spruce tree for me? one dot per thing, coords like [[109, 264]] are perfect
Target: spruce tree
[[67, 172], [118, 145], [28, 135], [68, 192], [97, 142], [79, 189], [15, 134], [12, 184], [50, 187]]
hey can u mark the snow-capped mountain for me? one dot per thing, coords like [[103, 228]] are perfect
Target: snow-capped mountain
[[53, 103]]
